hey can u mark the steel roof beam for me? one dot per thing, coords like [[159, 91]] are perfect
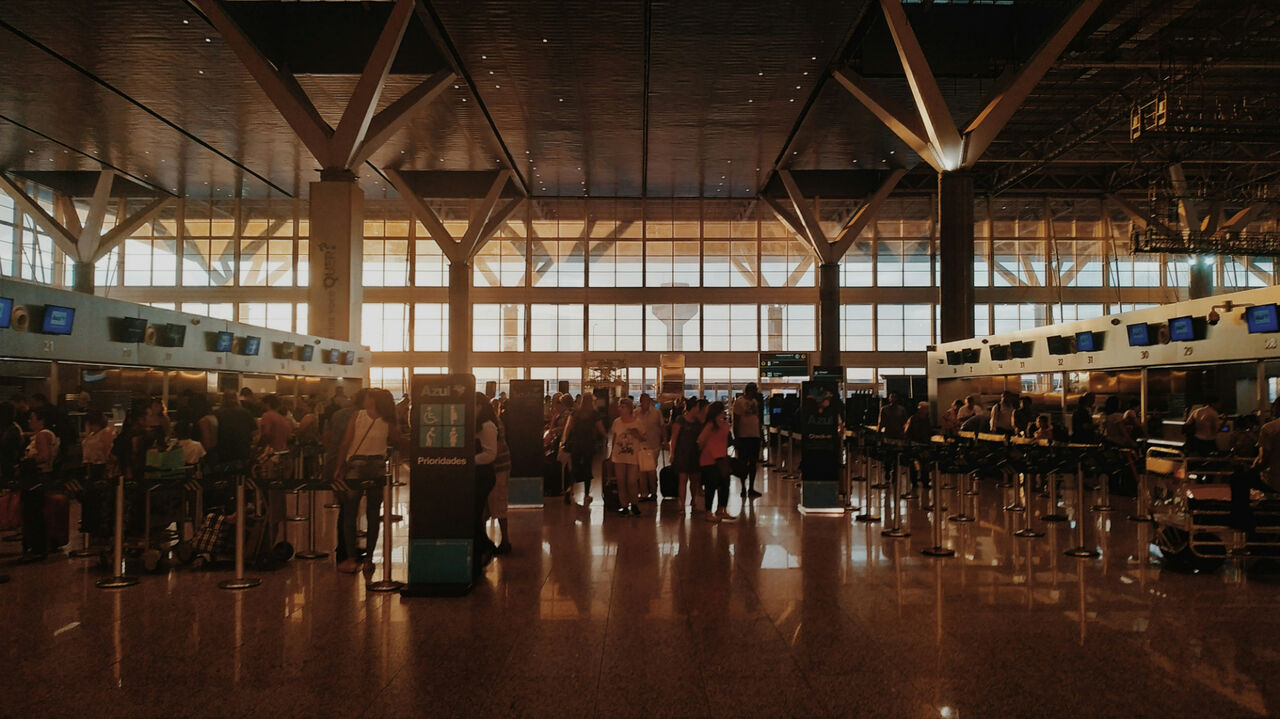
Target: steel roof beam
[[62, 238], [901, 121], [864, 215], [352, 129], [91, 230], [126, 227], [983, 130], [932, 106]]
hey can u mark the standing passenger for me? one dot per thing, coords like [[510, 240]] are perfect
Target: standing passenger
[[37, 473], [486, 455], [370, 433], [746, 436]]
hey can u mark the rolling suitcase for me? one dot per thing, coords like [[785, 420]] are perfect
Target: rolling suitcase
[[57, 520], [609, 485], [668, 482]]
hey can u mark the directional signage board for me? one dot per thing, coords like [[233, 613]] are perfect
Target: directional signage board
[[442, 496], [784, 364]]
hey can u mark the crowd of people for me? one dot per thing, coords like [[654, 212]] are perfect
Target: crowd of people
[[696, 444]]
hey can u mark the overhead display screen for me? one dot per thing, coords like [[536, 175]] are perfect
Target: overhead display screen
[[784, 364], [57, 320], [252, 345], [223, 343], [1089, 341], [1183, 329], [1139, 334], [308, 352], [1262, 318]]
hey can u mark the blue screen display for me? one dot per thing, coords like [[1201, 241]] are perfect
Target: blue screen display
[[224, 342], [308, 351], [1139, 335], [57, 320], [6, 312], [251, 345], [1262, 318], [1182, 329], [1085, 342]]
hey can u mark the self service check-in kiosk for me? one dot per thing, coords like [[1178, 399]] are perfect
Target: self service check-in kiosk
[[442, 497]]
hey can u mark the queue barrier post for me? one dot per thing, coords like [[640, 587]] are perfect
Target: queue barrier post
[[935, 525], [119, 579], [891, 496], [240, 581], [1081, 551], [386, 584]]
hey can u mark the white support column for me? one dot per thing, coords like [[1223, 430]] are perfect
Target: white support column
[[934, 113]]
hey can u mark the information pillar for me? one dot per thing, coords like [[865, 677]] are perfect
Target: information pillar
[[442, 486]]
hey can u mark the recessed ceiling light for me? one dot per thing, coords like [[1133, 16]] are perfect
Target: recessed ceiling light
[[484, 57], [544, 39], [892, 151], [186, 22], [760, 74], [813, 58], [750, 100], [792, 100], [402, 152], [498, 86], [806, 72], [201, 71], [455, 87], [31, 152], [491, 72], [464, 99], [797, 87], [562, 99], [208, 39]]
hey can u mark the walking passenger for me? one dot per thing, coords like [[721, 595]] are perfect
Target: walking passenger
[[370, 433], [628, 441], [713, 459], [580, 434], [650, 419]]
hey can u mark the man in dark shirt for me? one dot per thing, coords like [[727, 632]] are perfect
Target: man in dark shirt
[[893, 418], [235, 429]]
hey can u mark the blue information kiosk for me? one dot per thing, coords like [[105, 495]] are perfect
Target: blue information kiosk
[[442, 486]]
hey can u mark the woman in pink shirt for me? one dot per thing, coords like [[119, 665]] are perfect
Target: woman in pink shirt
[[713, 443]]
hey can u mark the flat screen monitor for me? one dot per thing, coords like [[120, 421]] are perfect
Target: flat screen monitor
[[972, 355], [172, 335], [999, 353], [1059, 345], [133, 329], [57, 320], [1089, 341], [285, 350], [1262, 318], [251, 345], [1139, 334], [308, 352], [6, 312], [223, 343], [333, 356], [1183, 329], [1021, 350], [954, 357], [349, 357]]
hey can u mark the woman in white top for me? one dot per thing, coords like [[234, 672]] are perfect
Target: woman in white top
[[628, 435], [364, 450]]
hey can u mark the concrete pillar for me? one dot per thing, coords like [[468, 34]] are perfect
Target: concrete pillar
[[1200, 273], [955, 250], [335, 290], [829, 314], [82, 277], [459, 317]]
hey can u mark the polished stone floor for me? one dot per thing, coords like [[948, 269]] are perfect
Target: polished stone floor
[[774, 615]]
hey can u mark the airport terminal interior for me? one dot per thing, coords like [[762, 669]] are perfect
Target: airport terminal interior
[[498, 358]]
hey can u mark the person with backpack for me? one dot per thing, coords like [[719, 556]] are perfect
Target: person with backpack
[[37, 473]]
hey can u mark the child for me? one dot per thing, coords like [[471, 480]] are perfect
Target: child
[[1043, 430]]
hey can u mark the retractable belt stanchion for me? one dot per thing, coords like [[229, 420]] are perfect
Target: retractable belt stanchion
[[1104, 494], [119, 579], [387, 584], [867, 514], [310, 552], [1142, 503], [1027, 531], [1051, 482], [891, 495], [240, 581], [935, 525], [1082, 515], [958, 463]]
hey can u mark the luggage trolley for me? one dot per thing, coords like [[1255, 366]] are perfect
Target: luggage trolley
[[1206, 511]]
